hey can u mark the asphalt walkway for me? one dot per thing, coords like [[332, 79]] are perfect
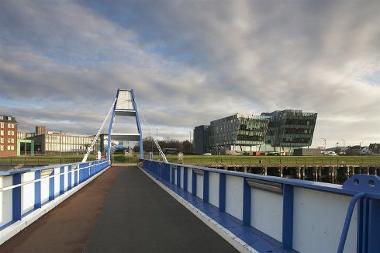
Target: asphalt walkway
[[121, 211]]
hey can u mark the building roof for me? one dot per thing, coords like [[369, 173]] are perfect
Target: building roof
[[5, 118]]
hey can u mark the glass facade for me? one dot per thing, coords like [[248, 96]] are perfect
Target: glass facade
[[291, 128], [56, 142], [284, 129]]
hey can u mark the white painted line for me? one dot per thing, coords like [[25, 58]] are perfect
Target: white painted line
[[18, 226], [232, 239]]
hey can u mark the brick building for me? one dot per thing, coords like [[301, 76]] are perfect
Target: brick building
[[8, 136]]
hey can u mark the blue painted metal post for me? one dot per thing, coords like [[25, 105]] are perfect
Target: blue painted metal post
[[374, 229], [205, 186], [172, 178], [185, 179], [362, 235], [246, 204], [69, 177], [287, 216], [194, 183], [222, 192], [51, 185], [16, 197], [369, 226], [62, 180], [179, 176], [141, 142], [37, 189], [110, 129], [76, 172]]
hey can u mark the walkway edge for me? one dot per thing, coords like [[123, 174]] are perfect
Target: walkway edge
[[27, 220], [232, 239]]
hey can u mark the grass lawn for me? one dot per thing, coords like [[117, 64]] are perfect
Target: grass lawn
[[221, 160], [276, 160]]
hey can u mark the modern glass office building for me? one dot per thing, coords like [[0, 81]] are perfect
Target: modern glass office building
[[290, 128], [275, 131], [238, 130]]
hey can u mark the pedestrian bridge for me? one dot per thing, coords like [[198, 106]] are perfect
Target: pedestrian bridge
[[166, 207]]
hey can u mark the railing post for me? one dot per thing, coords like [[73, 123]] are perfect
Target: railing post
[[37, 189], [51, 185], [287, 216], [16, 197], [62, 180], [205, 186], [76, 172], [222, 192], [246, 204], [185, 179], [179, 176], [369, 226], [193, 183], [172, 178], [69, 177]]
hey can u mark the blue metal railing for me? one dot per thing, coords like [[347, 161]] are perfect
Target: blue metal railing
[[302, 216], [25, 191]]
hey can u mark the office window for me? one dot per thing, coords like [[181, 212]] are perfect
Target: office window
[[1, 140], [8, 148], [1, 132], [2, 124], [1, 117], [9, 118], [12, 148], [12, 140], [1, 147]]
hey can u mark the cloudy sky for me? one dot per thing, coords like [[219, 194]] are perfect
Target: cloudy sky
[[191, 62]]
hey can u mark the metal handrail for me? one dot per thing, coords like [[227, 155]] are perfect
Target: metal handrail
[[50, 176]]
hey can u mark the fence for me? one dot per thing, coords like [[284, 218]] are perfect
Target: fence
[[26, 194], [300, 216]]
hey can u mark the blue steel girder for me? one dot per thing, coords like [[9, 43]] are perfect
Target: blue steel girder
[[125, 112]]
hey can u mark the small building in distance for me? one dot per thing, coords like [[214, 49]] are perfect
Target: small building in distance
[[374, 148], [25, 145], [201, 139], [40, 130], [8, 136], [55, 142], [307, 152]]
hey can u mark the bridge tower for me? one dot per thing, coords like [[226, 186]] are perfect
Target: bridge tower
[[125, 107]]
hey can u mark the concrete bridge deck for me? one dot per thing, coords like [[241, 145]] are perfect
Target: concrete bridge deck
[[121, 211]]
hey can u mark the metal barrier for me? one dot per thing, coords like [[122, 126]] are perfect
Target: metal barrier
[[300, 216], [26, 191]]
